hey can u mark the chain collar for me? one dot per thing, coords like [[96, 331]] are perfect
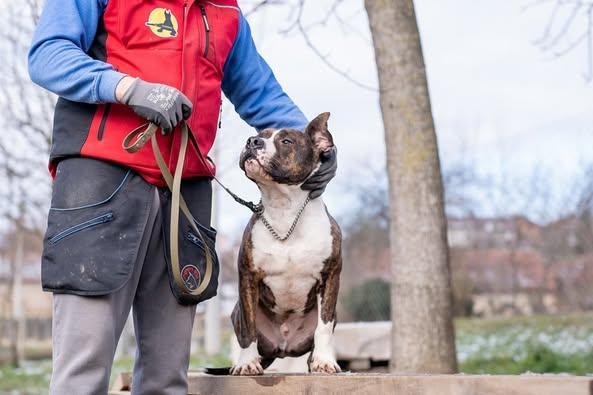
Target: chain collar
[[271, 229], [258, 209]]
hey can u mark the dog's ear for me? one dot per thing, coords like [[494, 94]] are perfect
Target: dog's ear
[[318, 133]]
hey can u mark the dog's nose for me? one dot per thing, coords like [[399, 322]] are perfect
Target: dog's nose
[[255, 142]]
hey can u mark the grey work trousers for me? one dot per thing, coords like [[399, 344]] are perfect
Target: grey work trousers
[[86, 329]]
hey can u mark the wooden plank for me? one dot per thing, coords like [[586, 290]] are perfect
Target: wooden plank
[[376, 384]]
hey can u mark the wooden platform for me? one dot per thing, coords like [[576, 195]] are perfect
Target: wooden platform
[[378, 384]]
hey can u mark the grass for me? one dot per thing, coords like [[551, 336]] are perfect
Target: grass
[[30, 379], [539, 359], [540, 344]]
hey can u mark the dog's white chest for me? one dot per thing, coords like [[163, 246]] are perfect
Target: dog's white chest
[[292, 267]]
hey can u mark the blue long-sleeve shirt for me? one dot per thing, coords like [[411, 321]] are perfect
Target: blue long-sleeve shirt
[[58, 62]]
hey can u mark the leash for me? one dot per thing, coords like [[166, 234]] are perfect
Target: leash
[[141, 135]]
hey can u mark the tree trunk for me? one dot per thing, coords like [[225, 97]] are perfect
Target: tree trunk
[[423, 337]]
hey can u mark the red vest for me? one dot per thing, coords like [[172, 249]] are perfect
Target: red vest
[[181, 43]]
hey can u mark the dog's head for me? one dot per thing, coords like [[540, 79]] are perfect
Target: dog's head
[[286, 156]]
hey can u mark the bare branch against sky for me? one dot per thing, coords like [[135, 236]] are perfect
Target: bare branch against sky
[[296, 22], [569, 28]]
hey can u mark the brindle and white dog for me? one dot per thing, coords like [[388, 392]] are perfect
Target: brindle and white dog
[[287, 289]]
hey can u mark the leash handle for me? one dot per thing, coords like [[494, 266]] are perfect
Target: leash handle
[[141, 135]]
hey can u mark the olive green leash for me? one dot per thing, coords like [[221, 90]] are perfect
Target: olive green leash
[[132, 143]]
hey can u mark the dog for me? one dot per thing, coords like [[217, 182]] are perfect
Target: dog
[[287, 289]]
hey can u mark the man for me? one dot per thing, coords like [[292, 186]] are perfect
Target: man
[[116, 64]]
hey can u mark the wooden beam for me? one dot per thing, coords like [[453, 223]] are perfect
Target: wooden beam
[[375, 384]]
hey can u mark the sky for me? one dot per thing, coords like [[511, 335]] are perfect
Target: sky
[[496, 97]]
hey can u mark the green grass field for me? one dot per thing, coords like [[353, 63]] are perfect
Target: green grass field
[[539, 344]]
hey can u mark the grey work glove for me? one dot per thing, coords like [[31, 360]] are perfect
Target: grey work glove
[[327, 170], [158, 103]]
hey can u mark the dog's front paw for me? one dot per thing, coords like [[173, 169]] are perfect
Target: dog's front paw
[[250, 368], [324, 365]]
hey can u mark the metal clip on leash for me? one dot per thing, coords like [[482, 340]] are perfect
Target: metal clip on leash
[[132, 143], [255, 208]]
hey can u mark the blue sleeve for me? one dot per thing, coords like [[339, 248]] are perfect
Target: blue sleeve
[[58, 59], [254, 91]]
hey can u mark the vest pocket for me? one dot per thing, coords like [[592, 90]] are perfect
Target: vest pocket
[[192, 254], [95, 227]]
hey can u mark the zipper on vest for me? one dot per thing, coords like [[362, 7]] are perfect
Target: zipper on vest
[[220, 116], [103, 122], [206, 28]]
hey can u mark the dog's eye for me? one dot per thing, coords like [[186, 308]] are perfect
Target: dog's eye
[[286, 141]]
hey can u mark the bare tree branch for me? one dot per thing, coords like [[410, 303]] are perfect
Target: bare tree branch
[[261, 4], [569, 27], [298, 24]]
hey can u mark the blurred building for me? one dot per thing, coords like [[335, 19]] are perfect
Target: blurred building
[[35, 302], [501, 266]]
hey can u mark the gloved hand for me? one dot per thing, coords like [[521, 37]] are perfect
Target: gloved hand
[[318, 181], [158, 103]]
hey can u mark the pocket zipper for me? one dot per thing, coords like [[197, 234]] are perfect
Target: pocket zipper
[[220, 116], [103, 121], [84, 225], [194, 239], [207, 29]]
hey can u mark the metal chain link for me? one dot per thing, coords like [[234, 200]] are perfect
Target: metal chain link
[[292, 227]]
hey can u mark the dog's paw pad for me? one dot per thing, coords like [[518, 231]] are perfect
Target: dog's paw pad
[[324, 366], [252, 368]]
